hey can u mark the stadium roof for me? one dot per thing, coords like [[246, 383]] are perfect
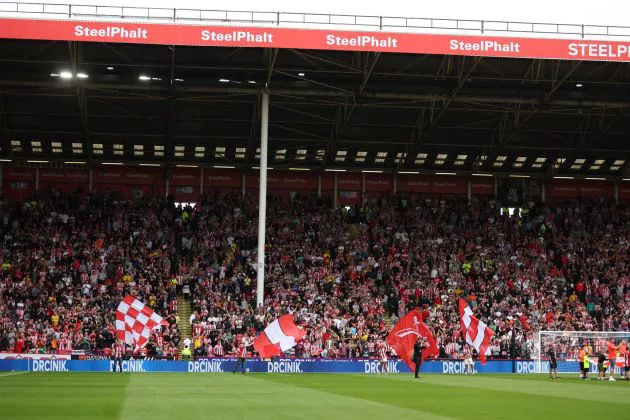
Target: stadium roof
[[92, 101]]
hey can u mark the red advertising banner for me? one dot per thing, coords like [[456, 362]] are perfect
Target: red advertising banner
[[18, 183], [482, 187], [293, 181], [328, 181], [432, 184], [449, 185], [184, 194], [186, 176], [131, 191], [379, 183], [313, 39], [285, 181], [50, 176], [222, 179], [577, 189], [252, 180], [412, 183], [349, 187], [22, 174], [624, 191], [18, 190], [349, 182], [185, 184], [349, 198], [143, 176], [66, 180]]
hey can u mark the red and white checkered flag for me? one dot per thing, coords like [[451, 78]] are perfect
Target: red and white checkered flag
[[135, 321]]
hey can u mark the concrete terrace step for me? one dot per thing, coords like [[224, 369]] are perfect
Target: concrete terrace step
[[184, 310]]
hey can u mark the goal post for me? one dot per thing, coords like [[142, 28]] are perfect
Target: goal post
[[568, 344]]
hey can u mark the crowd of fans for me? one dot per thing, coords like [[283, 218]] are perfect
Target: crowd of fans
[[346, 274], [68, 262]]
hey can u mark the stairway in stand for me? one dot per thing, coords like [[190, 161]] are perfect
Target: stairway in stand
[[388, 321], [184, 310], [356, 230]]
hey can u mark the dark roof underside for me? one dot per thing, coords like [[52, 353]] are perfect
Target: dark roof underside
[[364, 110]]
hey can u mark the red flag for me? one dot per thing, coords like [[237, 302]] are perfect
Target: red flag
[[406, 333], [476, 333], [279, 336]]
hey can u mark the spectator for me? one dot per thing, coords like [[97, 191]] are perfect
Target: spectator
[[67, 261]]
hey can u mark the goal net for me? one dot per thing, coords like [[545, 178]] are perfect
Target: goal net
[[568, 344]]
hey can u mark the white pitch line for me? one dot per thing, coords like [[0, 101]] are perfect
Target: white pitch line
[[13, 373]]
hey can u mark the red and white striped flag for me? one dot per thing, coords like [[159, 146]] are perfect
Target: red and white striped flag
[[279, 336], [135, 321], [476, 332]]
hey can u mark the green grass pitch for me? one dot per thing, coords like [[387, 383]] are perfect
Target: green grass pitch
[[156, 396]]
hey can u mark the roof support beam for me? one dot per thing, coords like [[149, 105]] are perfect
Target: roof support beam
[[330, 94], [295, 76], [304, 113], [344, 113], [170, 126], [433, 120], [127, 111], [582, 131], [417, 133], [621, 74], [417, 60], [534, 70], [76, 55], [463, 78], [307, 135], [492, 108], [311, 56], [116, 51], [367, 72], [496, 139], [604, 128], [271, 65], [254, 126], [546, 99], [38, 50]]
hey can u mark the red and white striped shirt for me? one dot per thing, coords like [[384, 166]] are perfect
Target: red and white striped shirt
[[242, 348], [467, 353], [64, 344], [218, 350], [307, 349], [382, 353], [451, 348], [118, 350]]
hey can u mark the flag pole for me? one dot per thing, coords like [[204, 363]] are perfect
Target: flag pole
[[262, 199]]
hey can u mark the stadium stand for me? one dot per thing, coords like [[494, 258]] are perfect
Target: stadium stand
[[67, 263], [347, 274], [407, 148]]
